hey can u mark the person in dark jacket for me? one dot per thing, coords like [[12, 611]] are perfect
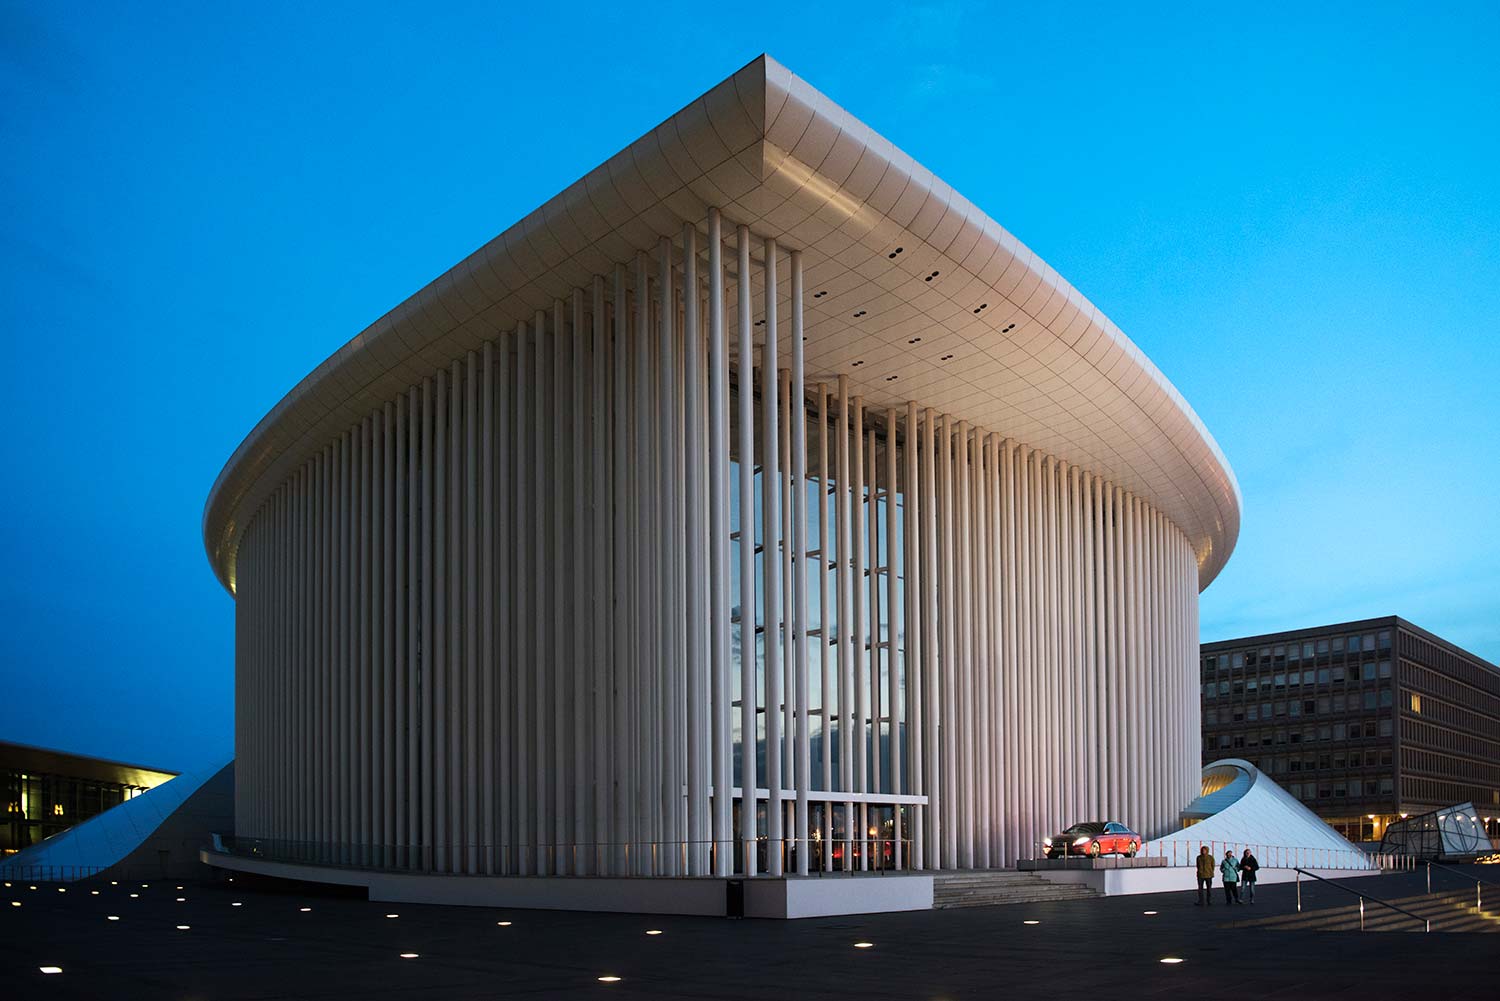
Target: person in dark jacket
[[1231, 870], [1248, 868], [1205, 878]]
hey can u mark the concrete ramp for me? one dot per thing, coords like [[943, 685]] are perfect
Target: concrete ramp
[[155, 835]]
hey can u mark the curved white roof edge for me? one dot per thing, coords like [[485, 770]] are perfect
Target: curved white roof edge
[[107, 838], [1250, 809], [1027, 355]]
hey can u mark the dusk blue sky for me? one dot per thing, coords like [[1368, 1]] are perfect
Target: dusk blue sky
[[1296, 216]]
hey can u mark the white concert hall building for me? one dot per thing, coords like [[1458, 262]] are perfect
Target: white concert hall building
[[756, 506]]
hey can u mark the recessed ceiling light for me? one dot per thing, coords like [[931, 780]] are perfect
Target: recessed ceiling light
[[503, 924], [62, 889], [864, 945], [93, 893], [33, 888], [134, 896], [145, 885], [393, 915], [653, 931], [235, 904], [179, 888], [50, 969], [304, 910], [1171, 960], [1148, 912], [113, 882], [609, 980], [183, 927], [409, 955], [1031, 922], [15, 903], [114, 917], [181, 900]]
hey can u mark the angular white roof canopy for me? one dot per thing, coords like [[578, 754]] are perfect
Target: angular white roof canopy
[[1004, 341]]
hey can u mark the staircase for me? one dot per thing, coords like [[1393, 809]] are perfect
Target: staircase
[[1448, 912], [994, 887]]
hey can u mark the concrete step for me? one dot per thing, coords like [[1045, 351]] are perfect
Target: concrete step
[[1447, 912], [998, 887]]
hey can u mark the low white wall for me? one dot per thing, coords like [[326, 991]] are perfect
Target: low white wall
[[795, 897], [1123, 882], [814, 897]]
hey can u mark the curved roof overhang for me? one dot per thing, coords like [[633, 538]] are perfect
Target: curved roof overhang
[[1026, 354]]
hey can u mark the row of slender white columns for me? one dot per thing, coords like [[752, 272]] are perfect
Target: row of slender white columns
[[491, 629]]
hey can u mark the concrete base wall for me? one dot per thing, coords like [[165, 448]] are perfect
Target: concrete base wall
[[764, 898], [814, 897], [1157, 879]]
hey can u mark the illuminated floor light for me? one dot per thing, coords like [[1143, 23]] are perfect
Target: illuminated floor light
[[609, 980], [653, 931], [50, 969], [864, 945], [1033, 922], [1171, 960], [183, 927], [409, 955]]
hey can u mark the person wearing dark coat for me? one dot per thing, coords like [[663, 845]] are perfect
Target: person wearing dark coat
[[1205, 878], [1248, 867]]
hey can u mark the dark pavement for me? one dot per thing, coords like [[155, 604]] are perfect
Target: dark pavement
[[345, 947]]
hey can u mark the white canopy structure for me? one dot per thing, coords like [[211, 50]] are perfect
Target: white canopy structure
[[1242, 807]]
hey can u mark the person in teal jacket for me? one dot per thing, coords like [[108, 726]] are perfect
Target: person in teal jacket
[[1230, 868]]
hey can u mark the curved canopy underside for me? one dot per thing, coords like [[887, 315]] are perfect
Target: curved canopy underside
[[912, 292]]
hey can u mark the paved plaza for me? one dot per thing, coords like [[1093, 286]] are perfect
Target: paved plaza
[[246, 940]]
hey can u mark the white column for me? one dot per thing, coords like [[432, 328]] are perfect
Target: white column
[[845, 620], [826, 635], [718, 466], [932, 685], [911, 534], [895, 659], [861, 634], [770, 494], [799, 566], [749, 829], [699, 582]]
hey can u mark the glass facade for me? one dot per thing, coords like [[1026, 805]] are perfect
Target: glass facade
[[47, 792]]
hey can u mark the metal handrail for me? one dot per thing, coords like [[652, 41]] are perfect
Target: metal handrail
[[1426, 922], [1478, 895]]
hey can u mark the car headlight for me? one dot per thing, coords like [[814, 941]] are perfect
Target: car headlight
[[1047, 842], [1080, 842]]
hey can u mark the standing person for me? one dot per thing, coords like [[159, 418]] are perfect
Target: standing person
[[1248, 868], [1205, 878], [1231, 870]]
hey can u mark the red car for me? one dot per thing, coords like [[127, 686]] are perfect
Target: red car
[[1093, 840]]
